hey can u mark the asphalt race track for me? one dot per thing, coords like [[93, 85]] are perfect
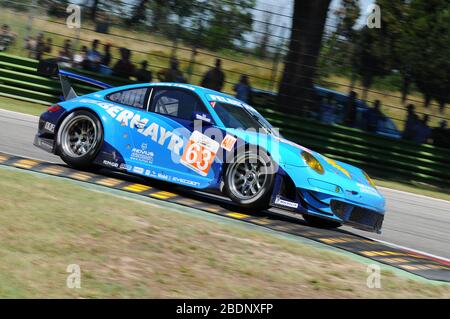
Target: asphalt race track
[[414, 222]]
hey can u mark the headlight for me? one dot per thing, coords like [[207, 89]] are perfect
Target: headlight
[[371, 182], [313, 162]]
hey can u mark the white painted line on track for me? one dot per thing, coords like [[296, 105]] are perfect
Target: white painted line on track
[[413, 194], [411, 250], [18, 115]]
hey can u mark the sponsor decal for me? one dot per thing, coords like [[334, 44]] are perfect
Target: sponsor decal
[[225, 100], [286, 203], [49, 127], [157, 133], [109, 163], [228, 142], [142, 155], [138, 170], [367, 189], [199, 153], [125, 166], [185, 181]]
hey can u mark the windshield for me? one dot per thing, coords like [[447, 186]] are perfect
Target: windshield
[[243, 117]]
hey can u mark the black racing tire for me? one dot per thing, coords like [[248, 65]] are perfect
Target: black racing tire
[[321, 222], [83, 127], [260, 180]]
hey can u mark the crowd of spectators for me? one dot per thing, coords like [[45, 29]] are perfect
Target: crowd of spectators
[[370, 119], [7, 37], [98, 58]]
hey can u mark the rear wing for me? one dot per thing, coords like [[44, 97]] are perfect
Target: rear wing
[[50, 68]]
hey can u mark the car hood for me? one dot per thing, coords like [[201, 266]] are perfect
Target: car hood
[[288, 155]]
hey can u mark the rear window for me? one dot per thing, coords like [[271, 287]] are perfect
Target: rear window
[[130, 97]]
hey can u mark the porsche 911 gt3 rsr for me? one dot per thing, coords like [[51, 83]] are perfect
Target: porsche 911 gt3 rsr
[[203, 139]]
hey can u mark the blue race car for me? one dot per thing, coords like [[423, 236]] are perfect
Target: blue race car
[[203, 139]]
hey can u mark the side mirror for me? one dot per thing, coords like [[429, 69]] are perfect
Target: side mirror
[[204, 117]]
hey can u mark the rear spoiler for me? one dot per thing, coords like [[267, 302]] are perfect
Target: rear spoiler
[[50, 68]]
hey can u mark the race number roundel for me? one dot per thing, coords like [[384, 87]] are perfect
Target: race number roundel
[[199, 153]]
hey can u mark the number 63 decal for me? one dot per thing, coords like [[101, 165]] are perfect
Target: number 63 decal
[[200, 153]]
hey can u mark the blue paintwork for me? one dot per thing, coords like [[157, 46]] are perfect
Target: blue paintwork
[[125, 142]]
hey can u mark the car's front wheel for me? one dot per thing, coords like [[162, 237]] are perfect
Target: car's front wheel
[[79, 138], [249, 180]]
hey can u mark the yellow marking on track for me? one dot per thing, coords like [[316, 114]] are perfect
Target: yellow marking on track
[[383, 253], [3, 158], [163, 195], [138, 188], [109, 182], [337, 240], [25, 163], [52, 170], [187, 202], [409, 267], [237, 215], [80, 176], [395, 260], [261, 221], [212, 209]]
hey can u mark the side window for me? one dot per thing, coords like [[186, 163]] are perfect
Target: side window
[[131, 97], [175, 102]]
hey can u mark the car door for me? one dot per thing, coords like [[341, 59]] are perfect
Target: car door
[[179, 152], [128, 105]]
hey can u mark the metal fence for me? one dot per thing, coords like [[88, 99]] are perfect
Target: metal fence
[[28, 19]]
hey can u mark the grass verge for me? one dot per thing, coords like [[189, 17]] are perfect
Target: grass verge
[[21, 106], [131, 249]]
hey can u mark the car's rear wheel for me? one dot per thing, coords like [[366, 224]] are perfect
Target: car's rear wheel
[[320, 222], [249, 180], [79, 138]]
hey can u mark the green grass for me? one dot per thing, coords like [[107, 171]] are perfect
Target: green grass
[[127, 248], [21, 106]]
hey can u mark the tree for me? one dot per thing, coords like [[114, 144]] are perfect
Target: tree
[[296, 89], [225, 23], [424, 48], [94, 9]]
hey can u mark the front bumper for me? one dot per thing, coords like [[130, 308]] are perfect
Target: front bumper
[[329, 207]]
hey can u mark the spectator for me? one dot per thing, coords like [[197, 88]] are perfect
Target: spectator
[[106, 58], [94, 56], [421, 131], [214, 78], [30, 45], [144, 75], [351, 109], [66, 54], [42, 46], [411, 121], [327, 109], [243, 89], [80, 59], [374, 116], [7, 37], [173, 74], [441, 135], [124, 68]]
